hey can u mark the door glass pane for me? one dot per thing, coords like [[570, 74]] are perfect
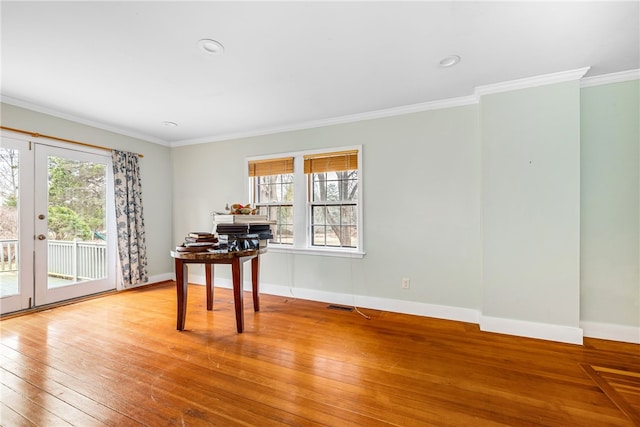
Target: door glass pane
[[77, 240], [9, 237]]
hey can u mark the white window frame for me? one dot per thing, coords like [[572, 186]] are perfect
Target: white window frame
[[302, 206]]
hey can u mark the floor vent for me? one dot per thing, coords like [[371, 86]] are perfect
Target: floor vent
[[340, 307]]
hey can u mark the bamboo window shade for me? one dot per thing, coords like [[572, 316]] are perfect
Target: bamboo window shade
[[331, 162], [267, 167]]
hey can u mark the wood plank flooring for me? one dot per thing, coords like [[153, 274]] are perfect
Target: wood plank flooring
[[621, 386], [119, 361]]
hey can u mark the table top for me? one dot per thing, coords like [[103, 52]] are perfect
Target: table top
[[213, 255]]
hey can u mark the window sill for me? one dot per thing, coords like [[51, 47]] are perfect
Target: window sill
[[281, 249]]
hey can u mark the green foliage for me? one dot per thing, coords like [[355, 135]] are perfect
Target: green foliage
[[8, 177], [11, 201], [80, 187], [77, 193], [65, 224]]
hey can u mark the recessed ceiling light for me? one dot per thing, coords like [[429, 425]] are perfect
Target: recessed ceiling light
[[449, 61], [170, 124], [211, 46]]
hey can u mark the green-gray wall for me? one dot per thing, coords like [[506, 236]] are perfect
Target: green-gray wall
[[531, 206], [450, 201], [421, 186], [485, 207], [155, 168], [610, 203]]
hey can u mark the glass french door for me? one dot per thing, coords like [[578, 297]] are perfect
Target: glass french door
[[16, 248], [62, 243]]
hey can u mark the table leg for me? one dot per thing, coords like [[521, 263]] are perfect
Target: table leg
[[236, 272], [181, 289], [208, 273], [255, 276]]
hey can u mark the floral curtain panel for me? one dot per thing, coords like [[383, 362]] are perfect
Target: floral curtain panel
[[132, 247]]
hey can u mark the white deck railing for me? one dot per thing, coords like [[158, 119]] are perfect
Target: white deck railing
[[68, 259], [9, 255]]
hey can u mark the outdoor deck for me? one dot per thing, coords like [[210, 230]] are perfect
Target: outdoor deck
[[68, 262], [9, 283]]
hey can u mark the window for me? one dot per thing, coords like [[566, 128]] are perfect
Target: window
[[333, 180], [273, 194], [315, 198]]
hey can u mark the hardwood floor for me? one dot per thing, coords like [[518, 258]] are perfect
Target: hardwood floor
[[118, 360]]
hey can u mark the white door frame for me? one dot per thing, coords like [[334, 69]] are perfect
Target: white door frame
[[44, 294], [33, 201], [24, 298]]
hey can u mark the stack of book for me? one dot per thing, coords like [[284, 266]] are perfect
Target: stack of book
[[198, 241], [235, 227], [239, 242], [238, 219], [260, 231]]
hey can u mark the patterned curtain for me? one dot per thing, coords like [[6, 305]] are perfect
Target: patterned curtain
[[132, 247]]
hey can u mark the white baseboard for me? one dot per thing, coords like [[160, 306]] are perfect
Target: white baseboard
[[609, 331], [152, 279], [200, 280], [545, 331], [385, 304], [560, 333], [162, 278], [374, 303]]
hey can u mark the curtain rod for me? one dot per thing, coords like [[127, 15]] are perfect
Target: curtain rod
[[39, 135]]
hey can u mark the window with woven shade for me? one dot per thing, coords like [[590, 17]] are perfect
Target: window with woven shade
[[333, 198], [315, 197], [273, 194]]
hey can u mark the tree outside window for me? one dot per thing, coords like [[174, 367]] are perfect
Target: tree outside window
[[315, 207]]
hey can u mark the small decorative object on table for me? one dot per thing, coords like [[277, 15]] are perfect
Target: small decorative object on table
[[238, 209]]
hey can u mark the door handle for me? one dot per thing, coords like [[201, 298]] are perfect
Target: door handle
[[41, 237]]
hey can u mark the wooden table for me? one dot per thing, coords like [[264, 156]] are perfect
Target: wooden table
[[209, 259]]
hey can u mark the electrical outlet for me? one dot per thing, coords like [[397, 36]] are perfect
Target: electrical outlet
[[406, 282]]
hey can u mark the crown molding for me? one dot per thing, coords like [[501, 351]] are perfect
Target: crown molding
[[622, 76], [370, 115], [51, 112], [529, 82], [525, 83], [479, 91]]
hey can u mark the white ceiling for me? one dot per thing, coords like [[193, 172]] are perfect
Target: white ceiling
[[129, 66]]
